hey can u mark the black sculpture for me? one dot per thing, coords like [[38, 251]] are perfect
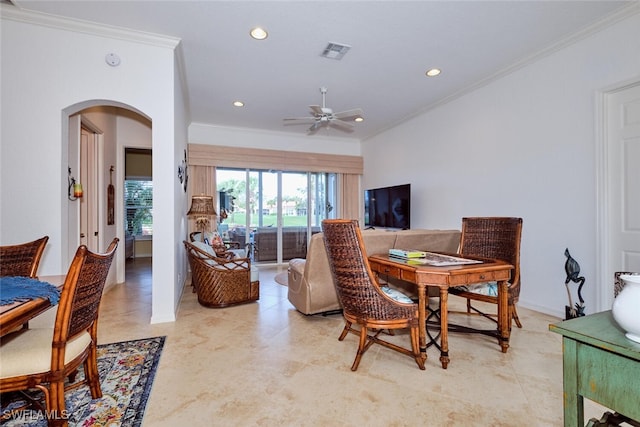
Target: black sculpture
[[572, 269]]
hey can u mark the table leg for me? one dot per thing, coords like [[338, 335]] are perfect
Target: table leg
[[422, 319], [444, 331], [573, 403], [504, 322]]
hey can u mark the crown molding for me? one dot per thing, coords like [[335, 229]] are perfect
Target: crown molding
[[13, 13]]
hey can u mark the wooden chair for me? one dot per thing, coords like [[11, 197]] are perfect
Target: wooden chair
[[498, 238], [221, 282], [22, 259], [363, 301], [43, 358]]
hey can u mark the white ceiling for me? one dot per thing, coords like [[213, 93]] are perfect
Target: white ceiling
[[393, 44]]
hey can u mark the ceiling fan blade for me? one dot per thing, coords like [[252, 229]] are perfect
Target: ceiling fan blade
[[314, 128], [339, 124], [300, 119], [349, 114], [316, 109]]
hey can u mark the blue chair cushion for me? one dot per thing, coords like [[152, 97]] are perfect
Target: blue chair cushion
[[488, 288], [396, 295]]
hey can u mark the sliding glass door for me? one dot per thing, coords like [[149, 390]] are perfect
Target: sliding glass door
[[274, 213]]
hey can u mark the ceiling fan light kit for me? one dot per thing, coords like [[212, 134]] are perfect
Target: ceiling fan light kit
[[323, 116]]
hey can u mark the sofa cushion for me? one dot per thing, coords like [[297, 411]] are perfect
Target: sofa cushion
[[378, 241], [428, 240], [238, 253], [204, 247]]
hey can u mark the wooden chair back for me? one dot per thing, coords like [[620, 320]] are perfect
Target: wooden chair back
[[81, 295], [22, 259]]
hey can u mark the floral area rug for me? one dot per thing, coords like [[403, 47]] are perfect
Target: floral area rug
[[126, 371]]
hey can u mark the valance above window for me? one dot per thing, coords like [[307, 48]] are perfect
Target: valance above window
[[256, 158]]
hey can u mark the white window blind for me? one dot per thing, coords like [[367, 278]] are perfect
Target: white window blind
[[138, 197]]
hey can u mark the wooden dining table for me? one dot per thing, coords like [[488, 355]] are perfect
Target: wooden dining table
[[17, 314], [443, 277]]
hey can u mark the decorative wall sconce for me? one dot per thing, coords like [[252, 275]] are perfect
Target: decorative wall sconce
[[74, 190], [183, 172]]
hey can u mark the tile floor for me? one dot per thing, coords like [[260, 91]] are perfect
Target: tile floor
[[265, 364]]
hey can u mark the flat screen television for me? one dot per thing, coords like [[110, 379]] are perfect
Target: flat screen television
[[388, 207]]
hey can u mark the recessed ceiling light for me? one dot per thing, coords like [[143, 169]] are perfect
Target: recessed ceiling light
[[259, 33], [433, 72], [359, 119], [238, 104]]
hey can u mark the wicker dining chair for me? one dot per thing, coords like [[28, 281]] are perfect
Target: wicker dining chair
[[498, 238], [43, 358], [221, 282], [22, 259], [363, 301]]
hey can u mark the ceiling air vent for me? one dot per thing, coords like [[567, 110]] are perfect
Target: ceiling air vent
[[335, 50]]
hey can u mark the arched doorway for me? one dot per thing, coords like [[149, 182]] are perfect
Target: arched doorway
[[117, 126]]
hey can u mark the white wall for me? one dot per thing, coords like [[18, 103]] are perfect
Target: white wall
[[201, 133], [524, 145], [134, 131], [46, 70], [181, 119]]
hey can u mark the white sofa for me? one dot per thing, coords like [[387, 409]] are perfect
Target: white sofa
[[311, 288]]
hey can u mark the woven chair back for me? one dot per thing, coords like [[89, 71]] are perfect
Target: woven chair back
[[82, 292], [356, 286], [23, 259], [494, 237]]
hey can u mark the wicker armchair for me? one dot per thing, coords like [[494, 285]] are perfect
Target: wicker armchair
[[221, 282], [363, 301], [22, 259], [498, 238], [43, 358]]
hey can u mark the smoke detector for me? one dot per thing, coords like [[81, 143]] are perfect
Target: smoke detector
[[335, 50]]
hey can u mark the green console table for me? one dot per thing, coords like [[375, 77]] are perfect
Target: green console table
[[601, 364]]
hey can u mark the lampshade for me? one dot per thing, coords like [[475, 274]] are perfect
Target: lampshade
[[202, 206]]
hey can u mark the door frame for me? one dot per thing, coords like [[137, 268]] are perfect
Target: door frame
[[76, 122], [91, 173], [604, 267]]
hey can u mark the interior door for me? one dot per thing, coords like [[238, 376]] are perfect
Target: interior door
[[623, 125], [89, 213]]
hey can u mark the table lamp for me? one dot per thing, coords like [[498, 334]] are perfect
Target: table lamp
[[202, 209]]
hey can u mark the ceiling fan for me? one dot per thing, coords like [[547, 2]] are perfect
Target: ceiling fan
[[323, 116]]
